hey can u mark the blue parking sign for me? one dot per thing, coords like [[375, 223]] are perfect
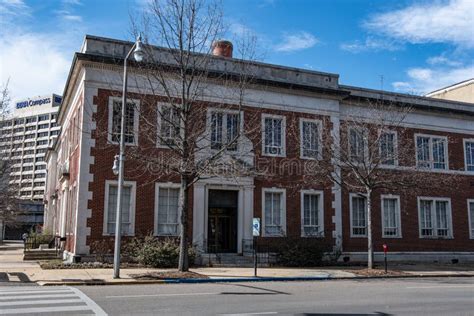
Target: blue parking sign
[[256, 227]]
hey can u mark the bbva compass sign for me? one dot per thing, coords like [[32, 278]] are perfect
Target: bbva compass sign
[[56, 101]]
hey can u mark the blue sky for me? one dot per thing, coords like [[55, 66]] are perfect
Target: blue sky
[[417, 46]]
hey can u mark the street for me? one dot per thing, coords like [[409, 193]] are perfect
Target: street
[[442, 296]]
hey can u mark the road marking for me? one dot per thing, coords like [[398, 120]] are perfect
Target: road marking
[[159, 295], [41, 302], [441, 287], [61, 299], [6, 298], [44, 309]]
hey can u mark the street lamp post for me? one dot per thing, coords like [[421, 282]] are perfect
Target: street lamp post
[[138, 54]]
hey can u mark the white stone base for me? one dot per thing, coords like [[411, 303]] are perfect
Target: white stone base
[[428, 256]]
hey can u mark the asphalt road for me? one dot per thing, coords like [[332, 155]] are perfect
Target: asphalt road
[[442, 296]]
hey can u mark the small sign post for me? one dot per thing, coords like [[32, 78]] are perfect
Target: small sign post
[[256, 233], [385, 250]]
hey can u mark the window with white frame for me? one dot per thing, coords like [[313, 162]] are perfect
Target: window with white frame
[[388, 148], [312, 213], [128, 208], [167, 210], [357, 145], [358, 206], [273, 135], [391, 227], [470, 209], [115, 119], [469, 154], [224, 130], [274, 212], [169, 125], [431, 152], [310, 139], [434, 217]]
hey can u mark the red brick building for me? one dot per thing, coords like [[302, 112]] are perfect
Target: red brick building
[[281, 108]]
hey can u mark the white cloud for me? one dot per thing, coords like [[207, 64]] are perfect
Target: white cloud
[[297, 41], [436, 22], [371, 44], [443, 60], [424, 80], [12, 8]]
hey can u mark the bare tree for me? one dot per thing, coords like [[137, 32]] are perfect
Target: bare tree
[[374, 152], [9, 203], [185, 79]]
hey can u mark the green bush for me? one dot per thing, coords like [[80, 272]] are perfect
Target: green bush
[[301, 252], [156, 253]]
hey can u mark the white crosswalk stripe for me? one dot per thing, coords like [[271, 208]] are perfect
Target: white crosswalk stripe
[[43, 300]]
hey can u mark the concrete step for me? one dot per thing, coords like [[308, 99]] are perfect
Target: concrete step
[[44, 254], [227, 260]]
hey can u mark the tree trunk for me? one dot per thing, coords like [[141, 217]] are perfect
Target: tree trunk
[[183, 263], [370, 250]]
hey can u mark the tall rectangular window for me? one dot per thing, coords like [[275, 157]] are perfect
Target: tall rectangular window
[[434, 217], [388, 148], [310, 134], [169, 125], [357, 145], [224, 130], [128, 209], [273, 135], [470, 209], [274, 214], [391, 217], [469, 154], [312, 214], [167, 221], [431, 152], [115, 119], [358, 207]]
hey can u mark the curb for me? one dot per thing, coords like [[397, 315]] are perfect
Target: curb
[[244, 279]]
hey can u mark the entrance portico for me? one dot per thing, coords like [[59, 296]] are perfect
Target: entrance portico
[[222, 214]]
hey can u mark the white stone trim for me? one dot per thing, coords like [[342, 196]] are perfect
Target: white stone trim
[[135, 119], [470, 218], [320, 193], [158, 186], [399, 219], [282, 211], [320, 137], [434, 227], [465, 141], [133, 193], [336, 187], [283, 134], [351, 195]]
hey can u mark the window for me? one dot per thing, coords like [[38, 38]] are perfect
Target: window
[[43, 134], [434, 216], [29, 136], [312, 218], [166, 210], [391, 227], [40, 167], [310, 139], [431, 152], [42, 142], [27, 168], [54, 133], [40, 151], [169, 125], [469, 154], [358, 206], [40, 175], [388, 148], [273, 135], [28, 160], [470, 209], [357, 145], [38, 159], [30, 128], [31, 119], [18, 121], [224, 130], [131, 121], [274, 212], [43, 126], [44, 117], [128, 208]]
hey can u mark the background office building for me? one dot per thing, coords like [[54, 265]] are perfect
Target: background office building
[[24, 139]]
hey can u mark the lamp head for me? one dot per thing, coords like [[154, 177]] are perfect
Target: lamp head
[[115, 167], [139, 52]]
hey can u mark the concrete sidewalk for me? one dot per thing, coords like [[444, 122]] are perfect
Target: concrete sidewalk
[[11, 263]]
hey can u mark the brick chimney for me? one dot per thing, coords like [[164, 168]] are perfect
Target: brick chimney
[[222, 48]]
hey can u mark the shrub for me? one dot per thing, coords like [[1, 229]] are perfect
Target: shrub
[[301, 252], [156, 253]]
